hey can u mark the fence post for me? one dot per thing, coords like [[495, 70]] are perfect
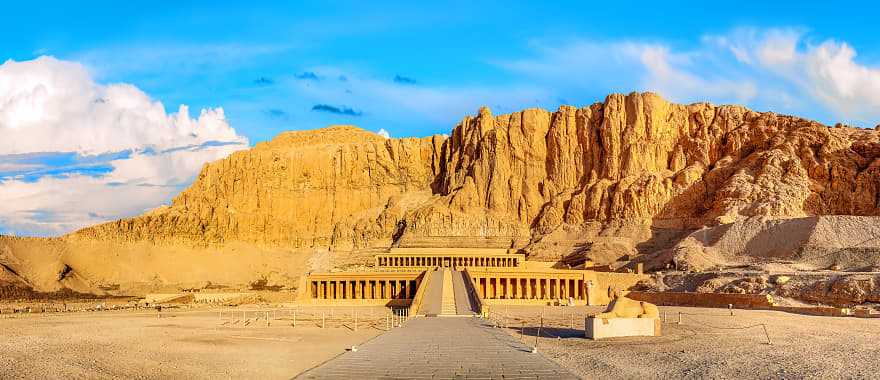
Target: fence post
[[294, 318], [535, 349], [766, 334], [267, 319], [679, 317]]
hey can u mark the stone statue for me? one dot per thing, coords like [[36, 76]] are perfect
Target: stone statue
[[622, 307]]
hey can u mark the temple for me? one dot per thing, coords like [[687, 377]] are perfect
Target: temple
[[465, 279]]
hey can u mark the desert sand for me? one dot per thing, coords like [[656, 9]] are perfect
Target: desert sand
[[710, 343], [180, 345]]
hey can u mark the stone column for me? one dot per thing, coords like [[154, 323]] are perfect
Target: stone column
[[528, 288]]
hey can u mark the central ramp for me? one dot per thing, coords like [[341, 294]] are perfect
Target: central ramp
[[447, 295], [441, 348]]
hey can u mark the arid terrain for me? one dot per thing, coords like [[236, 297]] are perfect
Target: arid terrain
[[191, 344], [199, 343], [709, 343]]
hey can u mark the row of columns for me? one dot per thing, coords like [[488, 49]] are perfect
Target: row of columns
[[440, 261], [495, 287], [363, 289]]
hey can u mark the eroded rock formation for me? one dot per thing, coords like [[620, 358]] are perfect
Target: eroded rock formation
[[634, 159], [555, 183]]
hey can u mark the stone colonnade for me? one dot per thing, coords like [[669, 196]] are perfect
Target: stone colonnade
[[508, 261], [363, 289], [525, 287]]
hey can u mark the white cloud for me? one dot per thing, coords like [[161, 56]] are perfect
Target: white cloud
[[769, 69], [52, 105], [49, 105], [382, 132]]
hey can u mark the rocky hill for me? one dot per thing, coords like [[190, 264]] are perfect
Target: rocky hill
[[631, 160], [633, 174]]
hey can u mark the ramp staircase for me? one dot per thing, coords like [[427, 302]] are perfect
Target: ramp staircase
[[446, 293], [447, 300]]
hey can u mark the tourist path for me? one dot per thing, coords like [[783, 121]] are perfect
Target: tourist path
[[441, 348]]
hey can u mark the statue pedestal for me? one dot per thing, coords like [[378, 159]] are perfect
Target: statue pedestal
[[600, 328]]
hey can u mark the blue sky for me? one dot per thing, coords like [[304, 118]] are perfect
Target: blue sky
[[407, 68]]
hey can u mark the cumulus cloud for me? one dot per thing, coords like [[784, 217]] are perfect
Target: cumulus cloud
[[382, 132], [49, 105], [76, 152]]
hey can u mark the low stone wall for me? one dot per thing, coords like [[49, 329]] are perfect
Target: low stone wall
[[718, 300], [743, 301]]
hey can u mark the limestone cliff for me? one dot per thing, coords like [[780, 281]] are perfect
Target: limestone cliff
[[292, 191], [520, 177]]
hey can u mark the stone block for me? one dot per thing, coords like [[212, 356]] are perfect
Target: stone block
[[600, 328]]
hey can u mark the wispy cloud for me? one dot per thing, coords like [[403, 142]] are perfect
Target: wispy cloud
[[340, 110], [777, 68], [404, 80], [263, 81], [276, 113], [307, 75]]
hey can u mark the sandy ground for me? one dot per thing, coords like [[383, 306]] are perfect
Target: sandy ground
[[708, 344], [180, 345]]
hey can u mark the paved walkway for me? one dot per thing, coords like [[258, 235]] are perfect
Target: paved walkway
[[441, 348]]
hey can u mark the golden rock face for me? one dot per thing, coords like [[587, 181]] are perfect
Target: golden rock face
[[634, 159]]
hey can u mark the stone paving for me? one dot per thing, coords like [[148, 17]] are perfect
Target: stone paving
[[441, 348]]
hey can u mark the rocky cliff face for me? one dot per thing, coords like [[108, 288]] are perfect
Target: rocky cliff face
[[521, 177], [294, 191]]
